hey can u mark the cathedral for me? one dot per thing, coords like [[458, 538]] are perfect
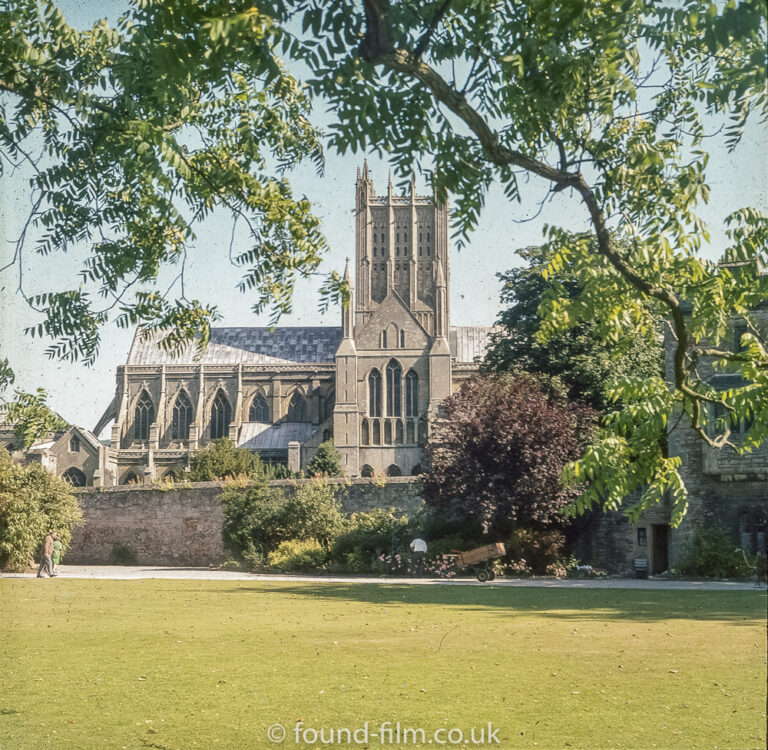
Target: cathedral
[[373, 384]]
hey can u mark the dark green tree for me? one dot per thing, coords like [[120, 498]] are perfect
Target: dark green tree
[[579, 356], [326, 462]]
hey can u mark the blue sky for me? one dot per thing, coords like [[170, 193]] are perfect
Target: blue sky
[[81, 394]]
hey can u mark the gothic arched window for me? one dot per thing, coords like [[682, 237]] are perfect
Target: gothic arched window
[[374, 394], [366, 471], [74, 446], [130, 477], [74, 476], [143, 417], [411, 394], [221, 416], [393, 470], [383, 340], [297, 408], [259, 411], [394, 375], [182, 417]]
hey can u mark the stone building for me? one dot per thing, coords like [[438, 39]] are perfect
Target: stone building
[[727, 490], [373, 384]]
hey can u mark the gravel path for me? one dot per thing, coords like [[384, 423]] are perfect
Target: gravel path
[[115, 572]]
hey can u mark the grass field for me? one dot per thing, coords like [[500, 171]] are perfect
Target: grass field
[[212, 664]]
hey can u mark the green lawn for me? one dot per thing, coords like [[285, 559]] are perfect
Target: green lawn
[[205, 664]]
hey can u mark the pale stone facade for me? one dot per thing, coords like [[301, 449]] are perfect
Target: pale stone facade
[[372, 384]]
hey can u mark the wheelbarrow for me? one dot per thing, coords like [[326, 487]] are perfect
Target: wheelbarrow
[[479, 560]]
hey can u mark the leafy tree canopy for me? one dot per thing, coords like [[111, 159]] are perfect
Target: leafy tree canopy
[[186, 104], [133, 136], [499, 451], [579, 356], [33, 502], [29, 413]]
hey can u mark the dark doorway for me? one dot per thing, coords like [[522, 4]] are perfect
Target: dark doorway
[[660, 555]]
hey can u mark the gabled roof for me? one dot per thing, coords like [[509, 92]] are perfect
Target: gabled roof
[[88, 436], [247, 345]]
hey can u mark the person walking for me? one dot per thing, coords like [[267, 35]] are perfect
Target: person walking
[[56, 558], [418, 548], [46, 563]]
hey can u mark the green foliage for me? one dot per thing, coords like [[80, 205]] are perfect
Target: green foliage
[[368, 535], [33, 502], [326, 461], [541, 550], [711, 553], [579, 356], [135, 134], [301, 556], [222, 460], [607, 105], [258, 518], [31, 417], [313, 511]]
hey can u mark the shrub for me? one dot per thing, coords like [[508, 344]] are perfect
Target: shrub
[[326, 461], [313, 511], [712, 553], [222, 460], [252, 520], [368, 536], [539, 549], [302, 556], [258, 518], [33, 502]]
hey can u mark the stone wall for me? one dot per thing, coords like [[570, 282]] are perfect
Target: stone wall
[[182, 525]]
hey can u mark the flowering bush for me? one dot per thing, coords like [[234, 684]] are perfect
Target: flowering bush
[[557, 570], [518, 569], [438, 566], [586, 571]]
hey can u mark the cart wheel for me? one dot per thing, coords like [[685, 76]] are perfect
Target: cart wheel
[[491, 575], [482, 576]]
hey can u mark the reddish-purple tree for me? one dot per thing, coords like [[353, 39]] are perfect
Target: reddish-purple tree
[[499, 449]]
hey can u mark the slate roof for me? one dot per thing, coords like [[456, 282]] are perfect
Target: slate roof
[[469, 343], [261, 436], [285, 346], [247, 345]]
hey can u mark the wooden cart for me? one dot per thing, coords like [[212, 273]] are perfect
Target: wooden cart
[[479, 560]]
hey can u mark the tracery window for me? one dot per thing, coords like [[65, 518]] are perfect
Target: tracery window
[[394, 376], [74, 476], [297, 408], [182, 417], [374, 393], [221, 416], [411, 394], [259, 411], [143, 417]]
